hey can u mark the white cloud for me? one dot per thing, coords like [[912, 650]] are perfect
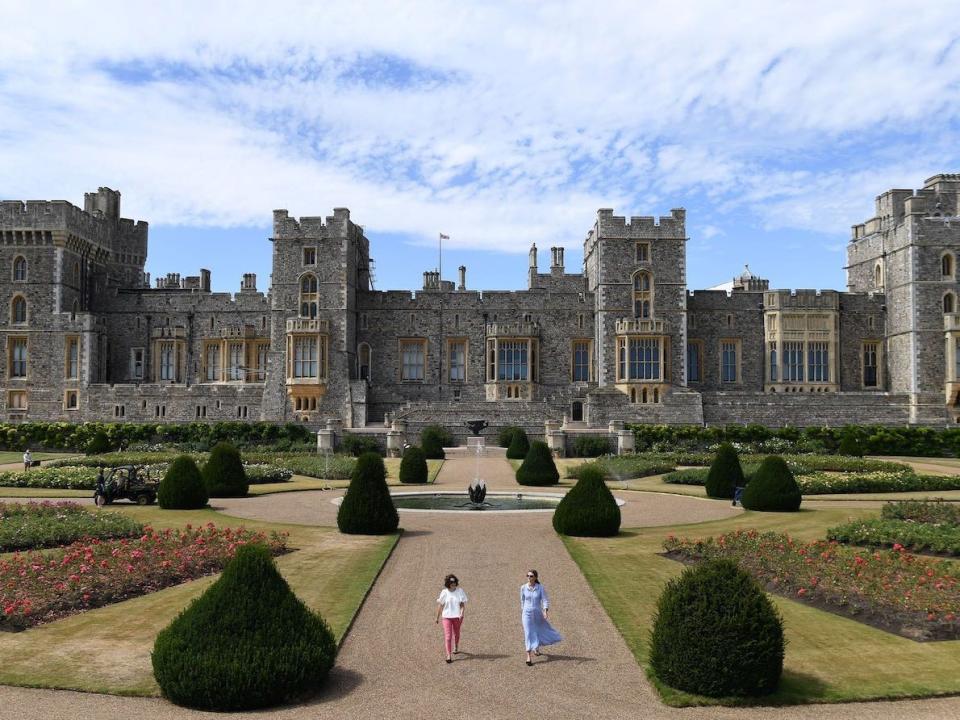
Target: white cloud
[[508, 124]]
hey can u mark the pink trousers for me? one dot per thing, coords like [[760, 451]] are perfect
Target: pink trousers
[[451, 633]]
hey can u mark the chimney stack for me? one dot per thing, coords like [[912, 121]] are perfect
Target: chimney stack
[[463, 278], [204, 279]]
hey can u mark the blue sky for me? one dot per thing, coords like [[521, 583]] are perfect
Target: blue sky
[[499, 124]]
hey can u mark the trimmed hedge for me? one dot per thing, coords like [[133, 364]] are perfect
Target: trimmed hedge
[[357, 445], [622, 467], [519, 445], [505, 436], [591, 446], [248, 642], [725, 473], [589, 509], [223, 473], [915, 536], [367, 508], [182, 487], [413, 466], [433, 439], [716, 633], [538, 467], [98, 444], [772, 488]]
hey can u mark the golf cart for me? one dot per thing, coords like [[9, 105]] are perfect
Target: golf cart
[[127, 482]]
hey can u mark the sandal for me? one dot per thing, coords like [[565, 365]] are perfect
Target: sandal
[[449, 660], [529, 662]]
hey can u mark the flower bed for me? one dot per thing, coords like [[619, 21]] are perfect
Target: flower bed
[[919, 537], [40, 587], [918, 598], [84, 477], [26, 526], [799, 464], [337, 467], [261, 474], [822, 483], [623, 467], [925, 511]]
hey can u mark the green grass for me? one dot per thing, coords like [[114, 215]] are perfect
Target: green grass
[[108, 650], [627, 575], [7, 457]]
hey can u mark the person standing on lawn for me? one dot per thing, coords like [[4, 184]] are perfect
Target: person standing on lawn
[[534, 608], [450, 605], [27, 459]]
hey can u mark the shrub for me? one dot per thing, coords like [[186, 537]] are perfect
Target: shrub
[[98, 444], [589, 509], [519, 445], [715, 633], [433, 439], [850, 443], [538, 467], [248, 642], [591, 446], [182, 487], [772, 488], [935, 512], [357, 445], [24, 526], [367, 508], [622, 467], [413, 466], [505, 436], [915, 536], [223, 472], [725, 473]]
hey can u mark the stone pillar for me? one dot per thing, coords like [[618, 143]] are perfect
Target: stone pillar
[[615, 426], [626, 442], [325, 441], [556, 438], [396, 438]]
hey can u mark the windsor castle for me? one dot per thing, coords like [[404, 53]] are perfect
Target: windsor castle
[[86, 336]]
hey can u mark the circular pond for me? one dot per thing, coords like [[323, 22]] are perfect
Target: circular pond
[[503, 502]]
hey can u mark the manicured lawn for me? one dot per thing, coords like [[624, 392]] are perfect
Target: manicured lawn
[[7, 457], [393, 470], [108, 649], [627, 575], [15, 492]]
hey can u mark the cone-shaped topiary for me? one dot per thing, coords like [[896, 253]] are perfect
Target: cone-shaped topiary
[[367, 508], [538, 467], [725, 473], [182, 487], [772, 488], [223, 472], [589, 509], [433, 438], [98, 444], [519, 445], [505, 436], [413, 467], [248, 642], [716, 633]]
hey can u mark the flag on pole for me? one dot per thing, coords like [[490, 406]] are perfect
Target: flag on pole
[[440, 258], [444, 237]]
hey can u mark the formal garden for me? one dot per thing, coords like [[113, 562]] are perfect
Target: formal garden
[[839, 551]]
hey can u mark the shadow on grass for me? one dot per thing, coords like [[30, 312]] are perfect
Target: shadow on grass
[[795, 688]]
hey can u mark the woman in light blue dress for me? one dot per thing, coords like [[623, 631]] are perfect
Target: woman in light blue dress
[[534, 608]]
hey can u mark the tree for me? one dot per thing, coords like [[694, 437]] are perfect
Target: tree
[[223, 472], [182, 487], [589, 509], [772, 488], [367, 508], [725, 473]]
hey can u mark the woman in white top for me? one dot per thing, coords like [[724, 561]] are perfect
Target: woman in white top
[[450, 605]]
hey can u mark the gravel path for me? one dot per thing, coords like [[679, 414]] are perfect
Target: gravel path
[[391, 665]]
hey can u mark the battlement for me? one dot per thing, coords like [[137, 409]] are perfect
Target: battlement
[[802, 299], [286, 227], [939, 197], [642, 225]]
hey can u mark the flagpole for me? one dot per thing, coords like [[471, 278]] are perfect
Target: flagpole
[[440, 256]]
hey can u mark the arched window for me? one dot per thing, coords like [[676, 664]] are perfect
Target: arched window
[[643, 294], [18, 310], [946, 265], [19, 269], [73, 310], [949, 303], [878, 276], [308, 296]]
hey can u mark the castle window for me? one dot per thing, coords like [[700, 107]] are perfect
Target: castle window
[[76, 274], [643, 252], [527, 317], [17, 358], [235, 369], [168, 361], [76, 306], [818, 365], [18, 310], [642, 294], [71, 400], [694, 361], [639, 358], [512, 360], [793, 362], [363, 321], [581, 361], [878, 276], [136, 363], [413, 355], [306, 357], [260, 372], [211, 322], [211, 361], [17, 400], [308, 296], [946, 266], [363, 361], [772, 346], [949, 303], [457, 360], [309, 256], [729, 361], [580, 321], [72, 354], [871, 354], [19, 269]]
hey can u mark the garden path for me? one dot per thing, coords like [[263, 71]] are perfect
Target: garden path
[[391, 664]]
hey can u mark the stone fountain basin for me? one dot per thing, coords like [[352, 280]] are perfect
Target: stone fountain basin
[[454, 501]]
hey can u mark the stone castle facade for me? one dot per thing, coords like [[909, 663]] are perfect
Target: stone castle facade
[[86, 337]]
